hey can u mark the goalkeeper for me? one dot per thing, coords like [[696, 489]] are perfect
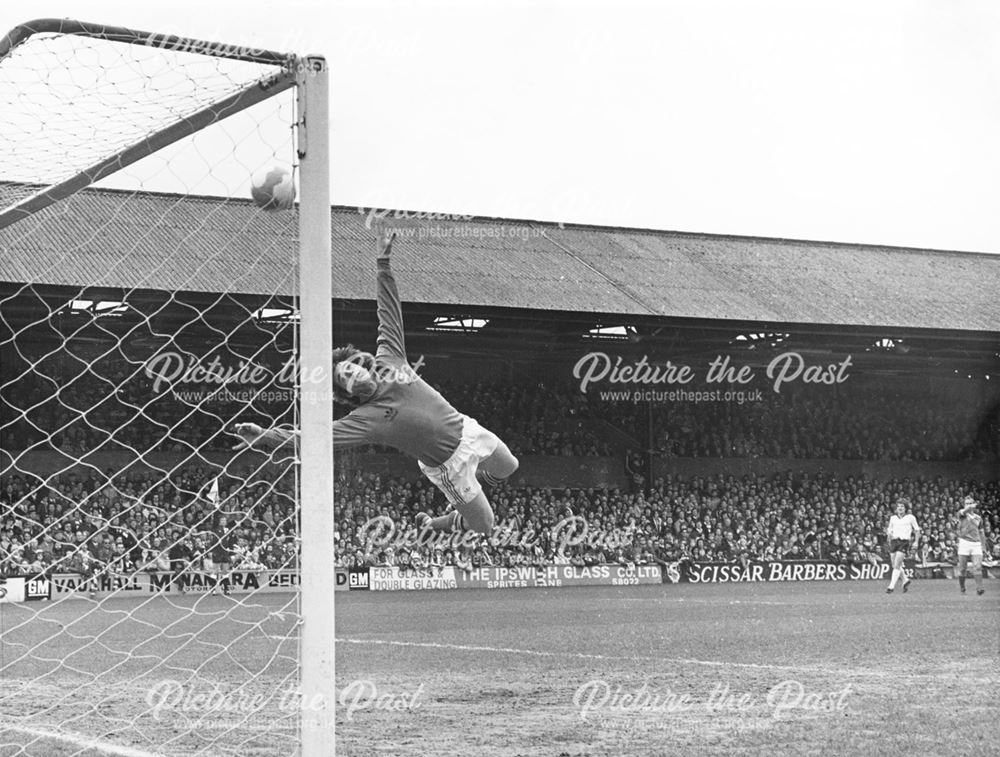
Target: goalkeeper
[[393, 406]]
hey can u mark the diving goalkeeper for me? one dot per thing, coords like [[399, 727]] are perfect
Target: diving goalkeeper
[[393, 406]]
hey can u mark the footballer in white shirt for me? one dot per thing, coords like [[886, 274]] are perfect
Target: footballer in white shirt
[[903, 533]]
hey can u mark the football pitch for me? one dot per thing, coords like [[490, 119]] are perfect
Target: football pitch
[[747, 669]]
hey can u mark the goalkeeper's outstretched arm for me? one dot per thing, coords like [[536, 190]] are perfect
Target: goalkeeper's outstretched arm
[[391, 340], [252, 435], [352, 430]]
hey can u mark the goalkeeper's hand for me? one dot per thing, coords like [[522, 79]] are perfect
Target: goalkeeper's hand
[[248, 433], [385, 240], [252, 435]]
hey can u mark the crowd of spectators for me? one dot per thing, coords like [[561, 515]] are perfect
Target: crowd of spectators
[[831, 425], [115, 402], [124, 522], [141, 521], [112, 402], [781, 517]]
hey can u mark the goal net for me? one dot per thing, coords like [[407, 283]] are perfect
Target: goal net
[[161, 592]]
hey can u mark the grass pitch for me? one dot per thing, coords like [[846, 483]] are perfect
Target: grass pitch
[[730, 669], [767, 669]]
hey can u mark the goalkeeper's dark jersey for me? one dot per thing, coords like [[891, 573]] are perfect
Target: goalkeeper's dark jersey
[[405, 412]]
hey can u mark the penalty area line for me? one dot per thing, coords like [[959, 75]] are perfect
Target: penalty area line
[[580, 655], [77, 740], [802, 669]]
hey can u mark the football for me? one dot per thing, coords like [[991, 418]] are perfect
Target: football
[[273, 187]]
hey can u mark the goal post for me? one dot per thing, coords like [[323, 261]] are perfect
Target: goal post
[[174, 595], [316, 398]]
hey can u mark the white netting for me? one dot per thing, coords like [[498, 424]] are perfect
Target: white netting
[[67, 101], [138, 324]]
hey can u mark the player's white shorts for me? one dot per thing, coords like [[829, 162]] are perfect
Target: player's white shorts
[[456, 476], [968, 548]]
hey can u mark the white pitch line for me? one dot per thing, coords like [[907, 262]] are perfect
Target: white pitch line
[[83, 742], [691, 600], [584, 655], [837, 670]]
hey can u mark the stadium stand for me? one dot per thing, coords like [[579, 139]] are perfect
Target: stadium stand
[[721, 518], [536, 418], [501, 332]]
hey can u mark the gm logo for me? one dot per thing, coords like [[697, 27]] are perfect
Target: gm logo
[[358, 579]]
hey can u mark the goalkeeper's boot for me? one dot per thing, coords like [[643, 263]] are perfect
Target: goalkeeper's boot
[[422, 520], [980, 592], [888, 591]]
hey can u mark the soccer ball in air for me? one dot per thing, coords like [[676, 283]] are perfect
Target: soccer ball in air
[[273, 188]]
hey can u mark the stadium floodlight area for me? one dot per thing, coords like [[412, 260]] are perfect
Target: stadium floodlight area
[[162, 593]]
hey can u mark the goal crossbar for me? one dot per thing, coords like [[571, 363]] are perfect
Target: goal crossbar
[[22, 32], [146, 146], [185, 127]]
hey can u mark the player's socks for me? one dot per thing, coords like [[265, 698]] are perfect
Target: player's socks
[[895, 577], [961, 583], [488, 479], [453, 521], [906, 586]]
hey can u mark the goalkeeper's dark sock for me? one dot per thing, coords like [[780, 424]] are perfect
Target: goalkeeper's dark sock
[[489, 479], [453, 521], [961, 582]]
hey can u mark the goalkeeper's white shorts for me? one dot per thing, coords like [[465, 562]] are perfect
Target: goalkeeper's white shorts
[[968, 548], [456, 476]]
